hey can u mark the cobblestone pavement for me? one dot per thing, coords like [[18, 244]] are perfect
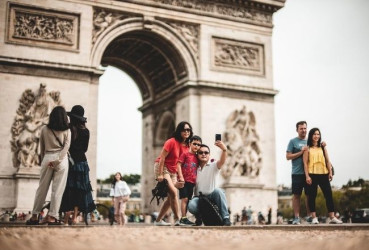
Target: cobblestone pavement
[[148, 237]]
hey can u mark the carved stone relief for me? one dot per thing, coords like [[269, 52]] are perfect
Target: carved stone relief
[[104, 18], [246, 11], [46, 28], [33, 112], [238, 56], [243, 144], [190, 32]]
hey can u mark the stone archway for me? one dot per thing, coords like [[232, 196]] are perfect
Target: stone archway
[[158, 61], [193, 60]]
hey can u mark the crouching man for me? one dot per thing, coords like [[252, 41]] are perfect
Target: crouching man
[[207, 174]]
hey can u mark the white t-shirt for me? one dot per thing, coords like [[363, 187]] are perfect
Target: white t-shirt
[[206, 180], [120, 189]]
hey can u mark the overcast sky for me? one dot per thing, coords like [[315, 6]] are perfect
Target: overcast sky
[[321, 70]]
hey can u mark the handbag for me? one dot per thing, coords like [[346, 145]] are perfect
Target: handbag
[[160, 191], [70, 159], [209, 212], [327, 162]]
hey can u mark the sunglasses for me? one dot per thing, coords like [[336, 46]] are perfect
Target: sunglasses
[[203, 152], [186, 130], [196, 144]]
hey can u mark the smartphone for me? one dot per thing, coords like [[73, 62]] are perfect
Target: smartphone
[[218, 137]]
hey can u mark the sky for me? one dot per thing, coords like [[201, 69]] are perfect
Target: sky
[[321, 70]]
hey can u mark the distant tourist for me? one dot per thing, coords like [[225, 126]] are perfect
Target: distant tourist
[[188, 164], [54, 144], [318, 172], [120, 193], [77, 196], [165, 167], [206, 182]]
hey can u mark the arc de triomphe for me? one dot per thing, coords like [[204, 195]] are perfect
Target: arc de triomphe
[[205, 61]]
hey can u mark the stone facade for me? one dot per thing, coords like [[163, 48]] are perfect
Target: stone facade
[[207, 62]]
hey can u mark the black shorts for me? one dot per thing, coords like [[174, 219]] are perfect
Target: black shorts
[[187, 190], [298, 184]]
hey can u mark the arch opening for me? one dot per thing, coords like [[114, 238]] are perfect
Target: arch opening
[[152, 62]]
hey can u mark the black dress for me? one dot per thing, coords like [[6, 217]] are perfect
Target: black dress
[[78, 190]]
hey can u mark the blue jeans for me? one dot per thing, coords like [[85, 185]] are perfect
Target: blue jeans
[[217, 196]]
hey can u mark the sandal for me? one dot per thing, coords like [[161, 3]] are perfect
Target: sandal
[[55, 223]]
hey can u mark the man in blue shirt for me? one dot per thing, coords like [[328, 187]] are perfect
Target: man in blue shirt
[[295, 150]]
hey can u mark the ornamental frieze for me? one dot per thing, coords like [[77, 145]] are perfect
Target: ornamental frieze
[[189, 32], [246, 11], [237, 56], [104, 18], [33, 26]]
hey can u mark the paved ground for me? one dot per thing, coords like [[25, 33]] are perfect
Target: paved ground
[[147, 237]]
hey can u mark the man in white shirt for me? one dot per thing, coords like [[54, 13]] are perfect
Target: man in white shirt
[[206, 182]]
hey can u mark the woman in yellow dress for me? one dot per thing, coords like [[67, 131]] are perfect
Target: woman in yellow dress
[[318, 171]]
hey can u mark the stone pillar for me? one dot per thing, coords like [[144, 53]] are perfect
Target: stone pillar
[[26, 185]]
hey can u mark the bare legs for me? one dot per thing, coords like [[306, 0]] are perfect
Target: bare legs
[[170, 202]]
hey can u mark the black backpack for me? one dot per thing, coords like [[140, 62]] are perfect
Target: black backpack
[[209, 212], [160, 191]]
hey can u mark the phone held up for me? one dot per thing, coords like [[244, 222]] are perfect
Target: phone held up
[[218, 137]]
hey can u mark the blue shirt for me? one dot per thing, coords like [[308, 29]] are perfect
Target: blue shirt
[[295, 145]]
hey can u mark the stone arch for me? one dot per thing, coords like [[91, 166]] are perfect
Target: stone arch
[[155, 37], [165, 126]]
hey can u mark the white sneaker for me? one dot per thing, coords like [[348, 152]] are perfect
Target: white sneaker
[[315, 221], [178, 223], [335, 221], [161, 223]]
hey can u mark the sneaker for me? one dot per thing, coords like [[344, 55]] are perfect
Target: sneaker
[[335, 221], [161, 223], [186, 222], [309, 219], [296, 221], [226, 222], [179, 223], [315, 221]]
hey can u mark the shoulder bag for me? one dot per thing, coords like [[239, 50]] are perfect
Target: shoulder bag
[[326, 162]]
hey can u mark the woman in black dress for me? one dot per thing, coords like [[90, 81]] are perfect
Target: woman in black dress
[[77, 195]]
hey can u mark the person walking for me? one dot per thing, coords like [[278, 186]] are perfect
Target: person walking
[[120, 193], [77, 195], [54, 166], [165, 167], [318, 172]]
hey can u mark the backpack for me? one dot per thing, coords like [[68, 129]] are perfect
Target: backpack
[[160, 191], [209, 212]]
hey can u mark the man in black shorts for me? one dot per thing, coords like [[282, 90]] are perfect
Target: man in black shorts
[[295, 150]]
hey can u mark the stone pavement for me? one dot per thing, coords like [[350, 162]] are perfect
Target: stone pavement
[[148, 237]]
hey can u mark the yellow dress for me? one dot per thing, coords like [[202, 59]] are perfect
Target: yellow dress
[[317, 163]]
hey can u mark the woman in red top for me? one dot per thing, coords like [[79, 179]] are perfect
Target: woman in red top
[[166, 168]]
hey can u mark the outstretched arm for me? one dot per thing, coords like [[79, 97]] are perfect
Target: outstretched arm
[[223, 156]]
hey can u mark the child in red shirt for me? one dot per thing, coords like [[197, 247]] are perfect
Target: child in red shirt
[[187, 167]]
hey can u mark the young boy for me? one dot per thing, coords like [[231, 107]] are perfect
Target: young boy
[[187, 167]]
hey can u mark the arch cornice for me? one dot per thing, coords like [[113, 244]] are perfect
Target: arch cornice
[[141, 24]]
